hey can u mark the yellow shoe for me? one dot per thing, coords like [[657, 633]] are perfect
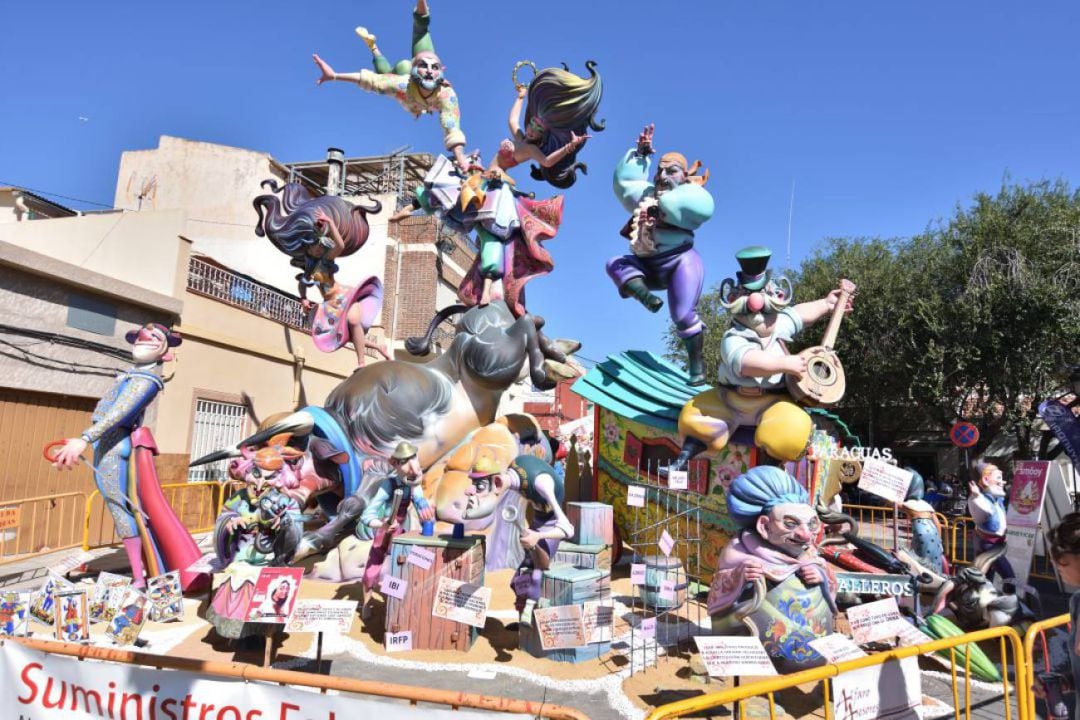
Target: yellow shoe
[[367, 37]]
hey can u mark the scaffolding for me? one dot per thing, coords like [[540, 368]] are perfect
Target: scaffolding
[[397, 173]]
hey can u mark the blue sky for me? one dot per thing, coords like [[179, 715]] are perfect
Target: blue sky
[[884, 115]]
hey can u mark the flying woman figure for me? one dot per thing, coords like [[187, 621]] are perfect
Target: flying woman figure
[[560, 109]]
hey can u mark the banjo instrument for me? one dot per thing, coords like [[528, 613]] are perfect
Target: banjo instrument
[[823, 383]]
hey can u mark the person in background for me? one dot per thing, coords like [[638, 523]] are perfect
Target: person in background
[[1064, 543]]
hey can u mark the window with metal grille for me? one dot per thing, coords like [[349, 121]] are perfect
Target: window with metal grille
[[218, 425]]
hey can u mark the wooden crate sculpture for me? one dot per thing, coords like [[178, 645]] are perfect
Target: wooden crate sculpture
[[459, 559], [591, 557], [567, 585], [593, 523]]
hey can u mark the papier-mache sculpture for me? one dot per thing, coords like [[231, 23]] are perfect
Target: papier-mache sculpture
[[261, 523], [154, 538], [986, 505], [665, 212], [419, 85], [316, 231], [774, 546], [751, 390]]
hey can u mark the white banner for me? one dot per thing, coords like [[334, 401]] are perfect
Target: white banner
[[1025, 511], [100, 690]]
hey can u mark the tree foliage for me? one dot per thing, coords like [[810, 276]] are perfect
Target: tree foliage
[[972, 319]]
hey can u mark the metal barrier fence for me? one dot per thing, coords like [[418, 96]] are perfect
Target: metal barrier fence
[[239, 671], [197, 505], [1015, 699], [41, 524], [1037, 634]]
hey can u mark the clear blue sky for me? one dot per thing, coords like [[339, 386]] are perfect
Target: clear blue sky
[[885, 115]]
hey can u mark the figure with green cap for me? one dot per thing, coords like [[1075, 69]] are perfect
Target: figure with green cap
[[751, 389], [387, 518], [665, 211], [419, 85]]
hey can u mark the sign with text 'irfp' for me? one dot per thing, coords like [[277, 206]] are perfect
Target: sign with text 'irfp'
[[885, 480], [726, 656]]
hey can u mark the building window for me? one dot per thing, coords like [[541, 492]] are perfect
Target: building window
[[217, 425], [91, 314]]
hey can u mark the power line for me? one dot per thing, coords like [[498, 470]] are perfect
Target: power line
[[57, 195]]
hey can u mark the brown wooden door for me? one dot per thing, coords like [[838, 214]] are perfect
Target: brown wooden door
[[28, 420]]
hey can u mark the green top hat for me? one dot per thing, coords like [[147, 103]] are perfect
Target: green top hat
[[754, 262]]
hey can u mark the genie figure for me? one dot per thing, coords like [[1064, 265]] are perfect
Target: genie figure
[[986, 505], [774, 549], [665, 213], [419, 85], [754, 361]]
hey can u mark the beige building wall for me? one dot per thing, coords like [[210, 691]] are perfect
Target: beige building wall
[[144, 249], [215, 185]]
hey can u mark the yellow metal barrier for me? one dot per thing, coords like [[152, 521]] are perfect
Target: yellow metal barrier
[[1006, 637], [962, 549], [45, 523], [198, 515], [1037, 633]]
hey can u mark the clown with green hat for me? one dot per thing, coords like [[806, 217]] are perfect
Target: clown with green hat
[[751, 390]]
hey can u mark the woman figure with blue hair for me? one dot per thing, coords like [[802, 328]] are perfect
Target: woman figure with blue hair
[[775, 549]]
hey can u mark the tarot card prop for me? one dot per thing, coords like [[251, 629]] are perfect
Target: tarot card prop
[[99, 597], [166, 597], [130, 617], [72, 618], [43, 602], [14, 614], [275, 594]]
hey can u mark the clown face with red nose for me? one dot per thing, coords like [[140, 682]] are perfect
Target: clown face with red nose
[[117, 435], [754, 360]]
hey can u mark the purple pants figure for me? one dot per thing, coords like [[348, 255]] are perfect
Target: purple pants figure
[[1001, 566], [679, 271]]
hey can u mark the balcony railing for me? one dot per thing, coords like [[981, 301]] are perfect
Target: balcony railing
[[215, 282]]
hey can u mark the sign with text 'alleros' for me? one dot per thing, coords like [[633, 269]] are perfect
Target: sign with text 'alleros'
[[872, 584]]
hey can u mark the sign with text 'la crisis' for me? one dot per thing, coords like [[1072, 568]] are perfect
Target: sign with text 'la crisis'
[[51, 687]]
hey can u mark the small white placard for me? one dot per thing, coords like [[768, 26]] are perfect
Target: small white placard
[[667, 543], [667, 589], [560, 627], [635, 496], [322, 616], [885, 480], [726, 656], [461, 602], [875, 621], [678, 480], [394, 587], [203, 564], [399, 642], [637, 574], [911, 636], [67, 564], [890, 690], [648, 627], [482, 674], [421, 557], [836, 648], [597, 617]]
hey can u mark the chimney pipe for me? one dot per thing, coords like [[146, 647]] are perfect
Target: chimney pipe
[[335, 173]]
